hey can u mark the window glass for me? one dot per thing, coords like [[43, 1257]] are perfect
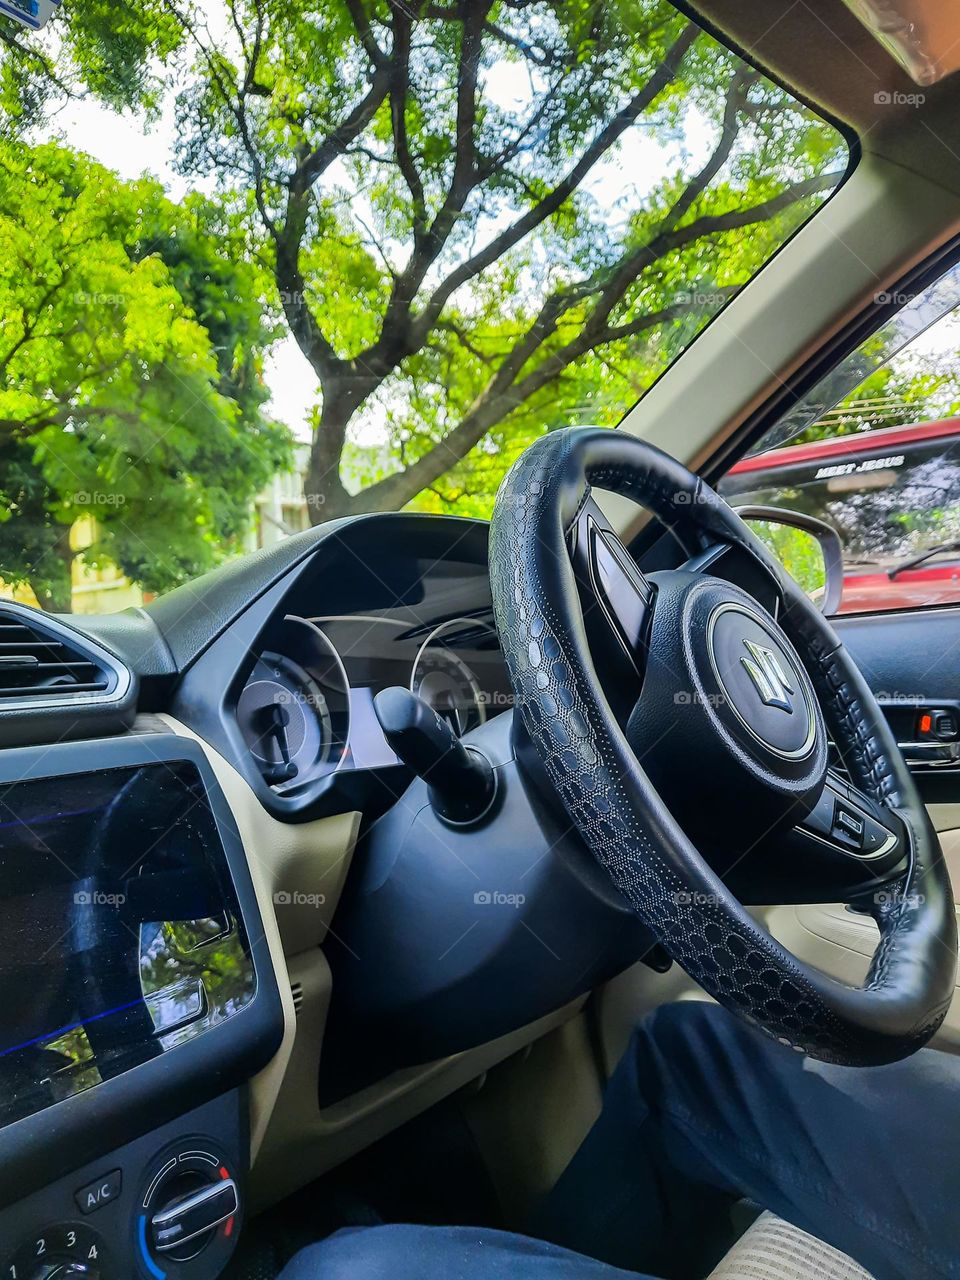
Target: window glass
[[874, 450]]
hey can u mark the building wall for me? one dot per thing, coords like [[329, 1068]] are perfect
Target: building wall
[[280, 510]]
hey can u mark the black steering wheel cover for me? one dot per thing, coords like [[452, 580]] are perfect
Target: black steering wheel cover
[[622, 818]]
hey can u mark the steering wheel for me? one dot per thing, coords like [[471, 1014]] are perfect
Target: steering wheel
[[725, 746]]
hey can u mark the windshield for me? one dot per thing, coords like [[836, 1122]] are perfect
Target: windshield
[[262, 266]]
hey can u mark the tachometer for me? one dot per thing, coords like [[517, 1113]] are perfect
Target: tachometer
[[294, 709], [445, 681]]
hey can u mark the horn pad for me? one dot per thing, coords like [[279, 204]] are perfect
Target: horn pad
[[727, 722]]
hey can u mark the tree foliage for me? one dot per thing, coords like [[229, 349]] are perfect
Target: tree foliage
[[130, 380], [425, 184], [116, 52]]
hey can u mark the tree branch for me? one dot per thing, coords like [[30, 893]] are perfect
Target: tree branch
[[361, 23], [317, 160], [534, 217], [428, 244], [735, 102], [399, 89], [541, 57], [402, 333], [503, 394]]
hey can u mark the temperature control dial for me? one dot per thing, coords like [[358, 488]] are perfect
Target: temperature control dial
[[64, 1251], [188, 1216]]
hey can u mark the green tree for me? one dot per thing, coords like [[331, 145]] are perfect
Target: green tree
[[95, 47], [130, 376], [421, 180]]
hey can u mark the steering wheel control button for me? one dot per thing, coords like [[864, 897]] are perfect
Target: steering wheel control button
[[877, 839], [99, 1192], [848, 825], [837, 820]]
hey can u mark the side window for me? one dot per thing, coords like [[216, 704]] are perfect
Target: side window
[[874, 451]]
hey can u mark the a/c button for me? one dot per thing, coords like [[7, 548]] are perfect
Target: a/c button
[[98, 1193]]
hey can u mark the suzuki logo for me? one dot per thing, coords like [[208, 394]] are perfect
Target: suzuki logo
[[764, 669]]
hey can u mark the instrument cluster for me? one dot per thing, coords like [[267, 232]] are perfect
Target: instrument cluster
[[306, 709]]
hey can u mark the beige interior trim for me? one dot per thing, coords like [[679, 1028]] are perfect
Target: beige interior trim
[[291, 858], [298, 871], [627, 999], [304, 1141], [533, 1113], [945, 817]]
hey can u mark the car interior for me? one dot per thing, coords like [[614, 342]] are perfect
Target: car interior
[[317, 900]]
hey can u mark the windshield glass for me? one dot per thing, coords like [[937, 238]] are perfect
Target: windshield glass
[[262, 265]]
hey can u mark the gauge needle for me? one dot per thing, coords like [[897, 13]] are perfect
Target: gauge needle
[[275, 721]]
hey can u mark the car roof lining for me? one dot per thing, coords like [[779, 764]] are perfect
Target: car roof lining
[[826, 56]]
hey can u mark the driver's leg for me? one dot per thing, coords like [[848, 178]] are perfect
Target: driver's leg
[[407, 1252], [702, 1110]]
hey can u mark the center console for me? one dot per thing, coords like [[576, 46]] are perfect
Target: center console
[[137, 997], [167, 1205]]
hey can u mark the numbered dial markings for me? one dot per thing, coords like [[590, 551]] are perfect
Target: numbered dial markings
[[55, 1247]]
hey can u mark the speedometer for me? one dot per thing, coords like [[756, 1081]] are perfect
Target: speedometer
[[445, 681], [294, 710]]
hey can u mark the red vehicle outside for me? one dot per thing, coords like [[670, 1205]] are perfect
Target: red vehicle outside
[[893, 495]]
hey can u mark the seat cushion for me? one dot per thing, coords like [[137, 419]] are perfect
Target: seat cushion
[[774, 1250]]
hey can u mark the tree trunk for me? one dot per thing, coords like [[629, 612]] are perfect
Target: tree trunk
[[327, 499], [58, 597]]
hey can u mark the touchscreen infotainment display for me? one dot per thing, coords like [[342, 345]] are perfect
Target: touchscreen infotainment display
[[120, 932]]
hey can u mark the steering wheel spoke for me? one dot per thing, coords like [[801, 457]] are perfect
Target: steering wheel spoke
[[617, 603], [847, 848]]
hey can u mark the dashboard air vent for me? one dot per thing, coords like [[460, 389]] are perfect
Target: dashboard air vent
[[296, 990], [37, 661]]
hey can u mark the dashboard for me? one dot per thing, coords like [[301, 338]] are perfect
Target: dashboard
[[389, 601], [240, 939], [236, 936]]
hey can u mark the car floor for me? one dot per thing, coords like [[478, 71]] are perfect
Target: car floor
[[429, 1171]]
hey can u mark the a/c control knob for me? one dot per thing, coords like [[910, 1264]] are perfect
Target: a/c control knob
[[192, 1216], [190, 1210]]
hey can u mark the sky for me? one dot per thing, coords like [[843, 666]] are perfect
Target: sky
[[120, 142]]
